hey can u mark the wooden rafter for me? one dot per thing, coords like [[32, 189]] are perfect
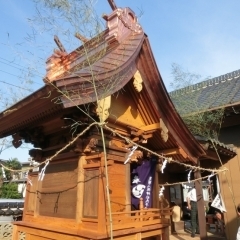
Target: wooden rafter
[[59, 44], [173, 151], [81, 37], [112, 4]]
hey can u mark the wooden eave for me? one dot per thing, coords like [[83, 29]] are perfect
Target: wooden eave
[[152, 117], [163, 106], [35, 108], [218, 150]]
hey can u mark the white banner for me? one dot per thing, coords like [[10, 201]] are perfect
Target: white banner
[[218, 203]]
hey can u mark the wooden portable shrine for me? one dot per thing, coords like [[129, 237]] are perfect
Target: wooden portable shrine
[[68, 198]]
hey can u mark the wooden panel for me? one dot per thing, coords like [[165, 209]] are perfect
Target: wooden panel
[[229, 182], [30, 202], [58, 173], [90, 197], [61, 205], [53, 223], [58, 195], [118, 204], [117, 185], [125, 110]]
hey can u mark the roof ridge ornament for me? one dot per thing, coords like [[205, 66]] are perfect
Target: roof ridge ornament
[[121, 23]]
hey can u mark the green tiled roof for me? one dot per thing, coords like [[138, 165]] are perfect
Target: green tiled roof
[[214, 93]]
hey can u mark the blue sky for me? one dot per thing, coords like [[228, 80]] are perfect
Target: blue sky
[[200, 35]]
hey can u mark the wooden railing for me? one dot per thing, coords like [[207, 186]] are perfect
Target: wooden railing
[[136, 219]]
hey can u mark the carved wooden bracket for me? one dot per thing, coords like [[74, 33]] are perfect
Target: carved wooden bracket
[[34, 136], [164, 131], [137, 81], [139, 136], [36, 154], [103, 106], [136, 156], [86, 145], [17, 140]]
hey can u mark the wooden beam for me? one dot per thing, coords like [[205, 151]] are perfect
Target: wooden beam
[[59, 44], [183, 153], [138, 133], [154, 126], [173, 151], [81, 37], [98, 164], [112, 4], [158, 126]]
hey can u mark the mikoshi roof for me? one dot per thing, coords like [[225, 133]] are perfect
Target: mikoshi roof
[[112, 59]]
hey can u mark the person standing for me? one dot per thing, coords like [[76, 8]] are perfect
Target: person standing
[[238, 232], [192, 205]]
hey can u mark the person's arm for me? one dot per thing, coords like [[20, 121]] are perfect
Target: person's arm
[[188, 203]]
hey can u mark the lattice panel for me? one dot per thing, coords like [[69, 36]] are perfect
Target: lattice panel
[[22, 236], [6, 232]]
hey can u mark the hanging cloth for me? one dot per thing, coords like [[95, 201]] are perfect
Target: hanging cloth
[[142, 177]]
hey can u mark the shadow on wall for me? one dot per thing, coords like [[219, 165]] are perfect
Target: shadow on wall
[[230, 135], [231, 228]]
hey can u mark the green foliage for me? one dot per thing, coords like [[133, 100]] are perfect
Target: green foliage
[[10, 190], [194, 110], [14, 164], [205, 124]]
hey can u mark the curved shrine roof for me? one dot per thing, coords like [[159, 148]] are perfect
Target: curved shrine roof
[[112, 59]]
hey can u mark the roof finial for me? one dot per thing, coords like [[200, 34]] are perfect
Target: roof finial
[[112, 4]]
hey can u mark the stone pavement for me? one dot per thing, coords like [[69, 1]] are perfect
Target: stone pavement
[[187, 236]]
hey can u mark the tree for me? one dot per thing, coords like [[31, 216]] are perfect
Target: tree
[[192, 108], [14, 164], [9, 189]]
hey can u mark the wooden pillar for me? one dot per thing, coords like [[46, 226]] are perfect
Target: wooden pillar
[[156, 203], [102, 201], [200, 206], [15, 233], [128, 188], [80, 191]]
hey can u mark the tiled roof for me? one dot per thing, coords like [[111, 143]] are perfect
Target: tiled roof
[[214, 93], [228, 149]]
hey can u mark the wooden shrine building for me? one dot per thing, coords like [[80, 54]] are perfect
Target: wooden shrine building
[[220, 94], [84, 187]]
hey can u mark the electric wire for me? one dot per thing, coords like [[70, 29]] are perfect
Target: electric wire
[[21, 68], [16, 86]]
